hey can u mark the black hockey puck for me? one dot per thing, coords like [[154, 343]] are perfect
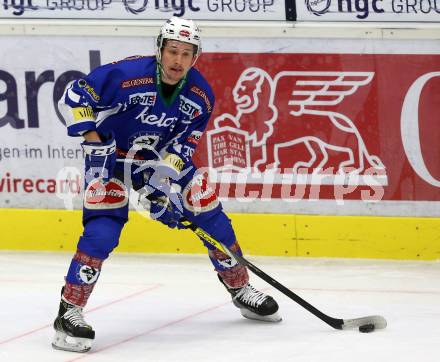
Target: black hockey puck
[[366, 328]]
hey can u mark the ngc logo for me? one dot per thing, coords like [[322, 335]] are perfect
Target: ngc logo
[[362, 8], [318, 7]]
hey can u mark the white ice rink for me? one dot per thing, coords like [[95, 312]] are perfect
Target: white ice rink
[[172, 308]]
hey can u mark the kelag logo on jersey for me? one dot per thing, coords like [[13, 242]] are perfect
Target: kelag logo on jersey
[[189, 108], [152, 119], [145, 99]]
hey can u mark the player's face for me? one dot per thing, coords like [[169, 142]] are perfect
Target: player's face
[[177, 58]]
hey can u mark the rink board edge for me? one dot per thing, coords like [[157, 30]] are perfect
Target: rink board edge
[[404, 238]]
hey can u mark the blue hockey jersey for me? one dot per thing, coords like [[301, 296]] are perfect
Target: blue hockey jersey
[[125, 98]]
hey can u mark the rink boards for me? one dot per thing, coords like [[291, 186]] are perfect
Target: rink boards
[[402, 238], [377, 106]]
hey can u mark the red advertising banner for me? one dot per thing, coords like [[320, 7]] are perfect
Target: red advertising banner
[[324, 126]]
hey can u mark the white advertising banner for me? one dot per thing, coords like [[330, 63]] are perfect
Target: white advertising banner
[[369, 10], [41, 167], [145, 9]]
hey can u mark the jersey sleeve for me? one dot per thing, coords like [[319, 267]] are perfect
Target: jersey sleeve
[[84, 98]]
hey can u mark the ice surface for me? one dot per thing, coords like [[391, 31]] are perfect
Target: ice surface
[[172, 308]]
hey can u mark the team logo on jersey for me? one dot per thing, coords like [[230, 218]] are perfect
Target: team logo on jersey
[[199, 195], [87, 274], [145, 99], [189, 108], [136, 82], [111, 195]]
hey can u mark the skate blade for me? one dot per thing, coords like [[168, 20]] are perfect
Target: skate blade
[[273, 318], [64, 342]]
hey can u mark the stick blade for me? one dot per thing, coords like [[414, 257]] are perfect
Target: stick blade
[[378, 321]]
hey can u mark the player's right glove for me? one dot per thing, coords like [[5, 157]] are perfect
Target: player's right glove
[[100, 159]]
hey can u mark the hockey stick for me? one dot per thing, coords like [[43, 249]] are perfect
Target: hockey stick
[[365, 324]]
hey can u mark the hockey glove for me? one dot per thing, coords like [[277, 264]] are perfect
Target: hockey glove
[[161, 190], [100, 159], [163, 210], [162, 199]]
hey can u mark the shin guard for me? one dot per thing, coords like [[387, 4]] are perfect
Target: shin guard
[[233, 274], [81, 278]]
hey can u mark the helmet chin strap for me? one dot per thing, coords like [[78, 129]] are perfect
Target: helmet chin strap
[[195, 60], [159, 64]]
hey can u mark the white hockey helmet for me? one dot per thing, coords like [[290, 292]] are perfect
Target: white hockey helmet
[[182, 30]]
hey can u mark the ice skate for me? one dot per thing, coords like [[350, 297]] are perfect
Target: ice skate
[[254, 304], [72, 333]]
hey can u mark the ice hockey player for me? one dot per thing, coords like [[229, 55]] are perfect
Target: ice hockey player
[[145, 109]]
